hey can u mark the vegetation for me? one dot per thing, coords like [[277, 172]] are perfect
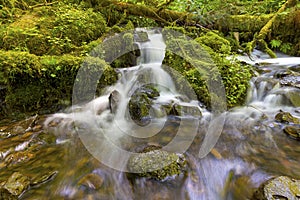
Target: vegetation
[[44, 43]]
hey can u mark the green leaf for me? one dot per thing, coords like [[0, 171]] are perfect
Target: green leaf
[[275, 43]]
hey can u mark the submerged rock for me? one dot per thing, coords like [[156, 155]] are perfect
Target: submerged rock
[[91, 181], [157, 164], [281, 187], [16, 184], [286, 117], [293, 131]]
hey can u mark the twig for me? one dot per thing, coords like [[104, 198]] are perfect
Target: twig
[[42, 4]]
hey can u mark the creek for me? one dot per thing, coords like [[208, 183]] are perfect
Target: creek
[[81, 152]]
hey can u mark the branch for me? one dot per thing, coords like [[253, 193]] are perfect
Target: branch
[[259, 39], [42, 4]]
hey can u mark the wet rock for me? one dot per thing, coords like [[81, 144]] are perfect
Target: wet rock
[[293, 131], [286, 117], [293, 81], [295, 68], [141, 36], [114, 100], [157, 164], [91, 181], [141, 102], [294, 97], [16, 184], [44, 178], [281, 187]]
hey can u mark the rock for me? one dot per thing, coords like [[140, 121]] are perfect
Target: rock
[[141, 102], [157, 164], [293, 131], [295, 68], [91, 181], [293, 81], [294, 97], [16, 184], [44, 178], [281, 187], [114, 100], [141, 36], [286, 117]]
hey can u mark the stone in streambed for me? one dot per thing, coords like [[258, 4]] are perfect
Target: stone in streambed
[[286, 117], [293, 131], [91, 181], [281, 187], [114, 100], [157, 164], [16, 184], [141, 102]]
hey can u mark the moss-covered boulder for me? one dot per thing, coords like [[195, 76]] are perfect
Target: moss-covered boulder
[[141, 101], [281, 187], [207, 68], [53, 30], [45, 83], [157, 164]]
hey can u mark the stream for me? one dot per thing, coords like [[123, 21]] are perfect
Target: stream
[[82, 153]]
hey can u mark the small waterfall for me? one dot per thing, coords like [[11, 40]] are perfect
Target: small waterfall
[[266, 95], [95, 119]]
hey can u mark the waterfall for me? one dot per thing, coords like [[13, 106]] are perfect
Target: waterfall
[[104, 131]]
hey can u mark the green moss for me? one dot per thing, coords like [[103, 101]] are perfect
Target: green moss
[[157, 164], [209, 63], [216, 42], [45, 83], [141, 102], [285, 29], [53, 30]]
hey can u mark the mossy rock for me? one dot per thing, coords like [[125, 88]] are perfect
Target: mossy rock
[[183, 54], [286, 117], [14, 186], [281, 187], [141, 102], [293, 131], [216, 42], [157, 164], [45, 83], [53, 30], [119, 50]]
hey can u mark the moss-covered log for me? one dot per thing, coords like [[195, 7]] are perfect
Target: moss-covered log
[[260, 38]]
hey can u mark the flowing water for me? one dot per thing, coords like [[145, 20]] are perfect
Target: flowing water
[[65, 148]]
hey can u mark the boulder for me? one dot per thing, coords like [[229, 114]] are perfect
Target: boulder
[[141, 102], [114, 100], [281, 187], [286, 117], [157, 164]]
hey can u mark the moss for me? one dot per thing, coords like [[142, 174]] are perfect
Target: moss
[[216, 42], [285, 29], [53, 30], [141, 102], [157, 164], [210, 63], [39, 84]]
